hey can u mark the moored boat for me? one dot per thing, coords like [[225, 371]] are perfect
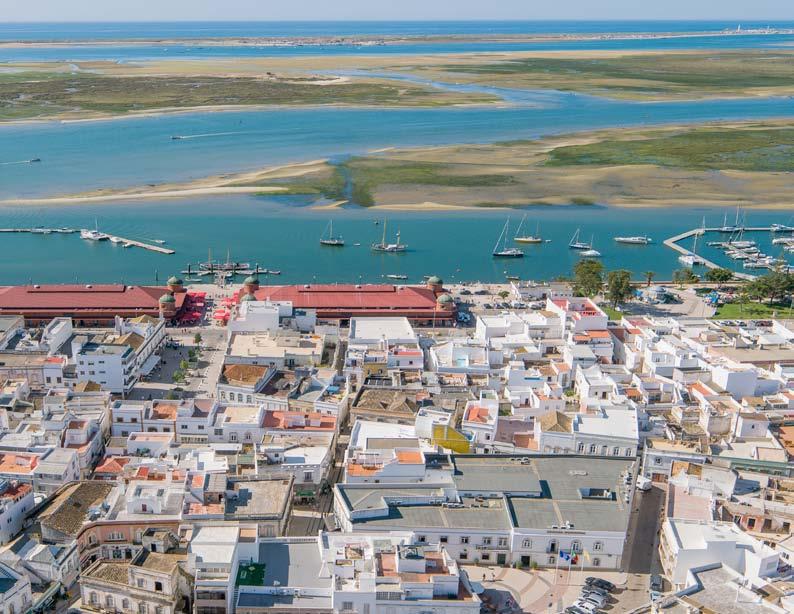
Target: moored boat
[[639, 240], [504, 251]]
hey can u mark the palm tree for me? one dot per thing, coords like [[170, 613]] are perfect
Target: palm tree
[[649, 275]]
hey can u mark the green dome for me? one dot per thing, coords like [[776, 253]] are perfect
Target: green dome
[[251, 279], [174, 281], [248, 297], [445, 298], [167, 298], [436, 281]]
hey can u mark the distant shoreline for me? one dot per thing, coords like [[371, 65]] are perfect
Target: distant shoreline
[[365, 40]]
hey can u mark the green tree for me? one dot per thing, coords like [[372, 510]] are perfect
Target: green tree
[[588, 277], [719, 276], [178, 376], [684, 276], [504, 294], [618, 287], [184, 366], [197, 338], [649, 275]]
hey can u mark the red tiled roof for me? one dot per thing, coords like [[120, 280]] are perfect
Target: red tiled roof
[[71, 298], [112, 464], [475, 413], [357, 300]]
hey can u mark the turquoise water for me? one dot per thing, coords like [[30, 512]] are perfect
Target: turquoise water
[[283, 233], [98, 32]]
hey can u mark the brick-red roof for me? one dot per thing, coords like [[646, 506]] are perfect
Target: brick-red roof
[[367, 299], [90, 298]]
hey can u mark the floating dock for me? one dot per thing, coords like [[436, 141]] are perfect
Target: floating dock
[[672, 243], [122, 240]]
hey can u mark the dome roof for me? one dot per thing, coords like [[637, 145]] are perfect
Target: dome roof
[[247, 297], [174, 281], [445, 298], [251, 279], [167, 298], [435, 280]]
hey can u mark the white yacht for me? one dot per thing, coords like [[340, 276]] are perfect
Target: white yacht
[[93, 235], [575, 243], [504, 251], [519, 238], [781, 228], [691, 259], [643, 240], [590, 253]]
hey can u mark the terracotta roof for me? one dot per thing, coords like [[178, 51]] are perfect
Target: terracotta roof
[[75, 297], [556, 422], [409, 457], [475, 413], [112, 464], [246, 374], [357, 299]]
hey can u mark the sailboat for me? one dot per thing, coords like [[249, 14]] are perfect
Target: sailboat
[[389, 247], [331, 240], [575, 243], [729, 229], [506, 252], [590, 253], [536, 238], [692, 259]]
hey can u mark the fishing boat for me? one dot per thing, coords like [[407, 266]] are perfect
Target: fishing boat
[[643, 240], [575, 243], [389, 247], [93, 235], [393, 276], [519, 238], [33, 160], [504, 251], [356, 244], [331, 240], [273, 272], [177, 137]]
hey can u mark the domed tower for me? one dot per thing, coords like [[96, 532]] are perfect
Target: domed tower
[[251, 284], [175, 284], [445, 301], [436, 284], [247, 297], [167, 304]]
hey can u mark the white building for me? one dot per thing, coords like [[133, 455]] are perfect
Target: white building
[[16, 500], [689, 544]]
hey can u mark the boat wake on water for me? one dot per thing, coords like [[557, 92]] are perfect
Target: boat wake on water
[[186, 137], [31, 161]]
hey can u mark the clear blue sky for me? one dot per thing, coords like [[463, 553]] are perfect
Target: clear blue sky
[[273, 10]]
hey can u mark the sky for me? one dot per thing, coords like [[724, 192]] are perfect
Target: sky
[[275, 10]]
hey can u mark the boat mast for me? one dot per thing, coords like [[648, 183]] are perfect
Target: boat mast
[[520, 225], [383, 240]]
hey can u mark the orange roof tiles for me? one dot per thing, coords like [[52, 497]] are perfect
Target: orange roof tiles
[[475, 413], [409, 457]]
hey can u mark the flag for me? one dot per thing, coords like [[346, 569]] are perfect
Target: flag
[[565, 556], [587, 556]]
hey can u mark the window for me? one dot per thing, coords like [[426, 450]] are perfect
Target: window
[[486, 556], [421, 539], [596, 562], [93, 598], [576, 546], [443, 539], [502, 542], [552, 560], [527, 543], [598, 546], [159, 610], [347, 605], [580, 448], [142, 608], [628, 452], [464, 539], [183, 426], [140, 582], [615, 451], [553, 546], [158, 586], [233, 437], [486, 541], [464, 556], [125, 604], [657, 461], [109, 601], [592, 448], [308, 476]]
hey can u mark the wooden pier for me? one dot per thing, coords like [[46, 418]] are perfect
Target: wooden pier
[[152, 248], [672, 243]]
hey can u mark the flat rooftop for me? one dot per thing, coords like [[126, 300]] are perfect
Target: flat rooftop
[[295, 564], [259, 498], [369, 329]]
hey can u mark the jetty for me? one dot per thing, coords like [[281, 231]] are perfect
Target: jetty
[[672, 243], [121, 240]]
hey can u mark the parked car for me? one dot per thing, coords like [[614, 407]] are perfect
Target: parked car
[[597, 600], [572, 609], [587, 606], [465, 292], [595, 590], [656, 583], [600, 583]]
